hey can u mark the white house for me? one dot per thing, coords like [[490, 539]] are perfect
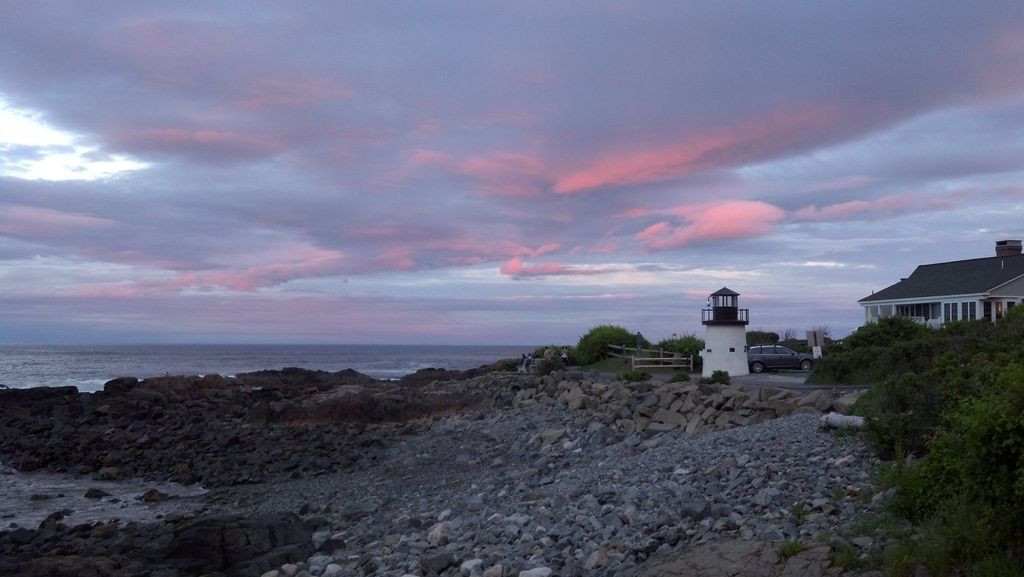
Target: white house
[[935, 294]]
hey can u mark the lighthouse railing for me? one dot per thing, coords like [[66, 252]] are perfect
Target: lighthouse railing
[[725, 315]]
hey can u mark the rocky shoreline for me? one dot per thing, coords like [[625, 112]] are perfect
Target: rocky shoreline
[[446, 473]]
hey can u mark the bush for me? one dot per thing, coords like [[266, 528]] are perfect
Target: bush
[[679, 377], [956, 399], [798, 345], [635, 376], [981, 454], [721, 377], [902, 414], [593, 346], [887, 332], [686, 345]]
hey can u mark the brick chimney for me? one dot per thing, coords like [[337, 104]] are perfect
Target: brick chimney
[[1007, 247]]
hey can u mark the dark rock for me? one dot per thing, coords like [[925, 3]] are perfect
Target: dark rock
[[52, 520], [120, 385], [109, 474], [429, 375], [434, 563], [21, 536], [153, 496], [12, 396], [221, 543], [259, 415], [103, 531], [94, 493], [71, 566]]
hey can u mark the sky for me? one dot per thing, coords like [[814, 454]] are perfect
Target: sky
[[468, 172]]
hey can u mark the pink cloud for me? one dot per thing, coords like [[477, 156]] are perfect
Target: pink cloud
[[655, 230], [269, 93], [507, 174], [303, 262], [38, 222], [491, 249], [206, 144], [604, 247], [1010, 42], [711, 221], [760, 138], [600, 247], [397, 259], [499, 173], [633, 213], [515, 267], [426, 157], [878, 208]]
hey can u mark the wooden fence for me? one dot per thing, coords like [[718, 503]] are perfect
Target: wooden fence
[[650, 358]]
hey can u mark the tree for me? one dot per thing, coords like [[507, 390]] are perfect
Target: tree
[[593, 346], [761, 337], [686, 345]]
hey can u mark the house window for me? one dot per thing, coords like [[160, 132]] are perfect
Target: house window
[[950, 311], [968, 311], [986, 310]]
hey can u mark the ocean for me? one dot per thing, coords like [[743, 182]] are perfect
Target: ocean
[[89, 366]]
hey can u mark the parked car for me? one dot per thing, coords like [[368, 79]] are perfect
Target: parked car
[[762, 357]]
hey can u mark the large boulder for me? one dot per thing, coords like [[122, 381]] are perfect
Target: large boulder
[[240, 546], [14, 396], [120, 386]]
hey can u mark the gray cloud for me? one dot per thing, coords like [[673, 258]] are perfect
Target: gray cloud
[[430, 143]]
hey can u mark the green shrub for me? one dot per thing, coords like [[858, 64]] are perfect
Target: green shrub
[[968, 490], [791, 547], [593, 346], [679, 377], [686, 345], [798, 345], [902, 414], [886, 332], [721, 377], [635, 376]]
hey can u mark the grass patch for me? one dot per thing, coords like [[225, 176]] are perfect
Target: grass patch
[[800, 511], [845, 556], [609, 365], [614, 365], [791, 547]]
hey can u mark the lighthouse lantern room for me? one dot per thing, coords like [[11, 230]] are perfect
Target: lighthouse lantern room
[[725, 347]]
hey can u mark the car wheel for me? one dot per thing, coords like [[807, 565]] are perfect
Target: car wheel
[[805, 365], [757, 367]]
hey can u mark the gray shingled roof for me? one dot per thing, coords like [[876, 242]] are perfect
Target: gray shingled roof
[[979, 275]]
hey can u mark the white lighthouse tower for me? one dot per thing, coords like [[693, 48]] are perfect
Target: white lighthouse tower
[[725, 347]]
